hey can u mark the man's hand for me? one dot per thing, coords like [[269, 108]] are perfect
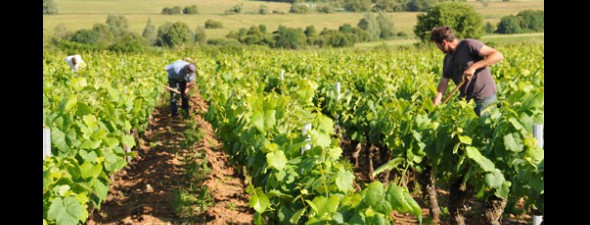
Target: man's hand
[[468, 73], [185, 94]]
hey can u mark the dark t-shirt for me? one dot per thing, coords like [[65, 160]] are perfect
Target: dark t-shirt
[[481, 84]]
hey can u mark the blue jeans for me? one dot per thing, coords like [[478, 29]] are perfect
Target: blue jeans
[[173, 97], [482, 104]]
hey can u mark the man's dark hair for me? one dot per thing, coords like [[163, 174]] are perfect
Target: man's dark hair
[[439, 34]]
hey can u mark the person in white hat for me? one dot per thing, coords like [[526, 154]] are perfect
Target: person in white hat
[[75, 62], [181, 75]]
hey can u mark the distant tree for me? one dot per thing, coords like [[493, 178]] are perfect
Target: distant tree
[[357, 5], [325, 8], [361, 35], [105, 34], [162, 29], [335, 3], [262, 28], [60, 32], [385, 25], [509, 25], [532, 20], [200, 36], [489, 28], [49, 7], [129, 42], [150, 31], [461, 17], [263, 9], [236, 9], [213, 24], [85, 36], [299, 8], [174, 34], [239, 35], [335, 38], [255, 37], [345, 28], [311, 34], [117, 24], [193, 9], [388, 6], [310, 31], [369, 23], [290, 38], [420, 5], [176, 10]]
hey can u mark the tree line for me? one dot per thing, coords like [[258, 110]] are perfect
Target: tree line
[[114, 35]]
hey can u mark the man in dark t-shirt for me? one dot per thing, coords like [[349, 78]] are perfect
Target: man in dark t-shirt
[[467, 59]]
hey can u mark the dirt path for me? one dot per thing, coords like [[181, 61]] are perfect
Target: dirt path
[[144, 192]]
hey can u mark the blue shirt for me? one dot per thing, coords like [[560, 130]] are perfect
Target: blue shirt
[[177, 72]]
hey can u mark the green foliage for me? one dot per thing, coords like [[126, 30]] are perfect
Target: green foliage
[[357, 5], [60, 32], [335, 38], [509, 25], [289, 38], [174, 34], [532, 20], [150, 32], [461, 17], [261, 116], [192, 9], [389, 6], [369, 23], [213, 24], [200, 36], [489, 28], [325, 8], [129, 42], [299, 9], [263, 9], [85, 36], [176, 10], [50, 7], [420, 5], [262, 28], [311, 34], [310, 31], [524, 21], [90, 118], [223, 42], [105, 34], [386, 26], [255, 35], [117, 24], [236, 9]]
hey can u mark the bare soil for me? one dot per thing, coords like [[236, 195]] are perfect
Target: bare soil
[[143, 192]]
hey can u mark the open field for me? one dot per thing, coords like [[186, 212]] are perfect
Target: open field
[[83, 14], [492, 40]]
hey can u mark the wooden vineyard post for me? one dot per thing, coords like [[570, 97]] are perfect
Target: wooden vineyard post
[[538, 134], [46, 143]]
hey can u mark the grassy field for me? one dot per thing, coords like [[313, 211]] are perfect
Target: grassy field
[[491, 40], [83, 14]]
